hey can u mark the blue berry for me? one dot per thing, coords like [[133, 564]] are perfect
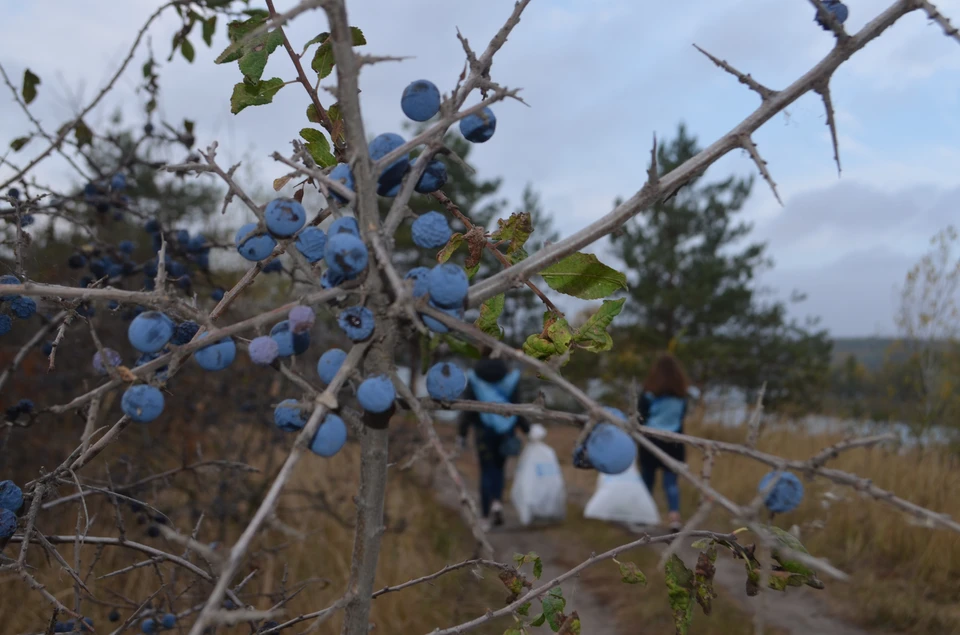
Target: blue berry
[[433, 178], [183, 237], [837, 8], [330, 437], [169, 621], [13, 193], [113, 358], [142, 403], [431, 230], [113, 305], [420, 100], [289, 343], [301, 319], [346, 254], [389, 192], [376, 394], [786, 494], [217, 294], [609, 449], [310, 242], [357, 322], [448, 285], [11, 496], [126, 246], [419, 277], [47, 346], [273, 266], [185, 332], [6, 325], [25, 406], [344, 225], [445, 381], [119, 181], [198, 244], [392, 175], [26, 220], [148, 626], [86, 625], [343, 174], [8, 279], [216, 356], [114, 616], [150, 331], [288, 417], [284, 217], [77, 261], [479, 127], [330, 279], [329, 364], [63, 627], [263, 350], [8, 523], [436, 325], [152, 226], [254, 248]]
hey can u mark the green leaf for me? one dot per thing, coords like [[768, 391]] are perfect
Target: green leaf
[[319, 39], [336, 118], [318, 147], [83, 134], [515, 230], [539, 620], [19, 142], [524, 609], [703, 543], [246, 95], [472, 271], [236, 31], [323, 59], [516, 629], [209, 29], [593, 335], [188, 126], [630, 573], [450, 248], [312, 115], [30, 83], [517, 256], [553, 605], [489, 314], [459, 347], [255, 55], [680, 589], [584, 276], [537, 568], [357, 35], [186, 49], [553, 340]]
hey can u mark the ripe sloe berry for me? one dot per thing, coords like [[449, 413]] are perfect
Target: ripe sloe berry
[[11, 496], [284, 217], [330, 437], [357, 322], [786, 495], [392, 175], [448, 285], [420, 100], [479, 127], [433, 178], [6, 324], [329, 364], [142, 403], [301, 319], [376, 394], [419, 276], [431, 230], [23, 307], [288, 417], [112, 357], [150, 331], [311, 242], [216, 356], [445, 381], [343, 174], [252, 247], [263, 350], [346, 254], [185, 332]]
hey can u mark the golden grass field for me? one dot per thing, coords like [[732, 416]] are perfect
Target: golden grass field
[[906, 578]]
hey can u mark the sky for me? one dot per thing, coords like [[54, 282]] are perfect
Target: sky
[[600, 78]]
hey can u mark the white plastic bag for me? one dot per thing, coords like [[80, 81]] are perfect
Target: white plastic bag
[[538, 491], [623, 498]]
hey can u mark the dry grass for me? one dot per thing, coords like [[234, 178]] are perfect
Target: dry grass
[[311, 544], [905, 578]]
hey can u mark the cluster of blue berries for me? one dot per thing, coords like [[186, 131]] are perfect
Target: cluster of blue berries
[[22, 407], [330, 437], [26, 219], [608, 449], [85, 626], [11, 501], [19, 306], [107, 194], [785, 496], [150, 625]]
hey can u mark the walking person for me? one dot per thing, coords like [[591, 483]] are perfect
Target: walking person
[[492, 381], [663, 406]]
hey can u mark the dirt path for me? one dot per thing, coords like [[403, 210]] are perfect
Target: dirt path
[[804, 613]]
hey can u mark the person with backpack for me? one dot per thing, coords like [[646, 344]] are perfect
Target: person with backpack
[[663, 406], [491, 381]]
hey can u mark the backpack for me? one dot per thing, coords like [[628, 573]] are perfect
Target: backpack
[[499, 392]]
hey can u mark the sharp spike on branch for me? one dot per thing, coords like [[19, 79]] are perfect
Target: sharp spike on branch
[[653, 174], [764, 92], [826, 17], [823, 90], [948, 29], [747, 143]]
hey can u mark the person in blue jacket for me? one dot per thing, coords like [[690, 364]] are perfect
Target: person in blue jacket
[[492, 381], [663, 406]]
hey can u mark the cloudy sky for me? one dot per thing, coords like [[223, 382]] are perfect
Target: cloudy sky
[[601, 76]]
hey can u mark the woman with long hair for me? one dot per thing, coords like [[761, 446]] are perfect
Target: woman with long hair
[[663, 406]]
